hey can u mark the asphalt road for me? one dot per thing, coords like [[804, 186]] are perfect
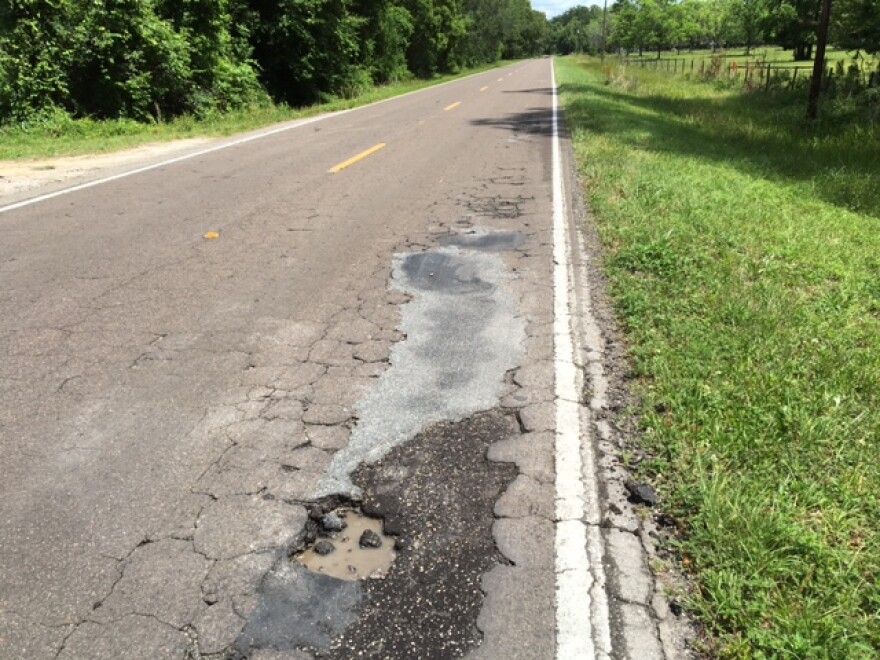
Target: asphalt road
[[193, 356]]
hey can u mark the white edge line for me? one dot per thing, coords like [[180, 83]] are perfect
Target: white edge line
[[575, 609], [226, 145]]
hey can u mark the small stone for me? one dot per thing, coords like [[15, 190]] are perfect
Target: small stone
[[641, 493], [333, 523], [324, 548], [392, 527], [369, 539]]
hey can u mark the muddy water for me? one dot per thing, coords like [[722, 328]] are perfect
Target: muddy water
[[349, 561]]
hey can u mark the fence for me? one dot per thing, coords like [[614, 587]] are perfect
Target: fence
[[756, 74]]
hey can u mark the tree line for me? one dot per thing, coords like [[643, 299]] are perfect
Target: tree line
[[153, 59], [657, 25]]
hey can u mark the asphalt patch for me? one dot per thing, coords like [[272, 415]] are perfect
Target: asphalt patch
[[298, 608], [445, 273], [463, 334], [437, 492], [496, 241]]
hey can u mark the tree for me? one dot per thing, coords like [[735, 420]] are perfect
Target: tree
[[37, 47], [716, 19], [792, 24], [857, 25], [752, 16]]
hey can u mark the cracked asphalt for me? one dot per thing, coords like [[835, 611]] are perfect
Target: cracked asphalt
[[172, 405]]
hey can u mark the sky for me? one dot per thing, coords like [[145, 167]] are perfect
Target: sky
[[555, 7]]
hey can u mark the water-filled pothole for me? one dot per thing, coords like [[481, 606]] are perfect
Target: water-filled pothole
[[348, 545]]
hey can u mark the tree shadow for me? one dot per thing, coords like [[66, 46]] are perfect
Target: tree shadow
[[534, 121], [536, 90], [768, 141]]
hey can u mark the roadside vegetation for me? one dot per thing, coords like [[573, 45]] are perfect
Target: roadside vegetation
[[119, 72], [743, 252], [58, 134]]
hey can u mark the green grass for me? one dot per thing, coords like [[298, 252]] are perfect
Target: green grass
[[61, 136], [743, 252]]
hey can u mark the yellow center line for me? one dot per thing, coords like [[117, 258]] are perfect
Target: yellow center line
[[354, 159], [500, 79], [483, 89], [453, 106]]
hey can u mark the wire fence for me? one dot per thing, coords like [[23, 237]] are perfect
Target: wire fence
[[847, 76]]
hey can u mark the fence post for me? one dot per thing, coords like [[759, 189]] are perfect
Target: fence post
[[767, 84], [794, 77], [692, 66]]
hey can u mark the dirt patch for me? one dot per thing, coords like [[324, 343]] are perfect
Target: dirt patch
[[20, 176]]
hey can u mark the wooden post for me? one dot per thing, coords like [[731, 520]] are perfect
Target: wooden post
[[767, 84], [819, 63]]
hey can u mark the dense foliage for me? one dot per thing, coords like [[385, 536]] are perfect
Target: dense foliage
[[150, 59], [657, 25]]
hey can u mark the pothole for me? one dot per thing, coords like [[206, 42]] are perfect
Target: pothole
[[347, 545]]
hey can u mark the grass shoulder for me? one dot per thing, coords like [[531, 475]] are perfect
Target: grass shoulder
[[741, 246], [62, 136]]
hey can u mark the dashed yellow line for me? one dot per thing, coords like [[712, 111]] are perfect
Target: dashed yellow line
[[354, 159], [500, 79], [483, 89], [452, 106]]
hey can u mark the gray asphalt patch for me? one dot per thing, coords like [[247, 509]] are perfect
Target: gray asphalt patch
[[484, 241], [298, 608], [463, 333]]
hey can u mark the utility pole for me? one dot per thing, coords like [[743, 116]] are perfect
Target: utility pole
[[604, 13], [819, 63]]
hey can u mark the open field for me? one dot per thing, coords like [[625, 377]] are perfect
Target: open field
[[742, 250], [783, 69], [61, 136]]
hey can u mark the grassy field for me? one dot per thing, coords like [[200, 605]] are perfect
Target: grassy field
[[61, 136], [743, 251]]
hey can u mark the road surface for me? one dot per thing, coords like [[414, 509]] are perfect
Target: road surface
[[382, 311]]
